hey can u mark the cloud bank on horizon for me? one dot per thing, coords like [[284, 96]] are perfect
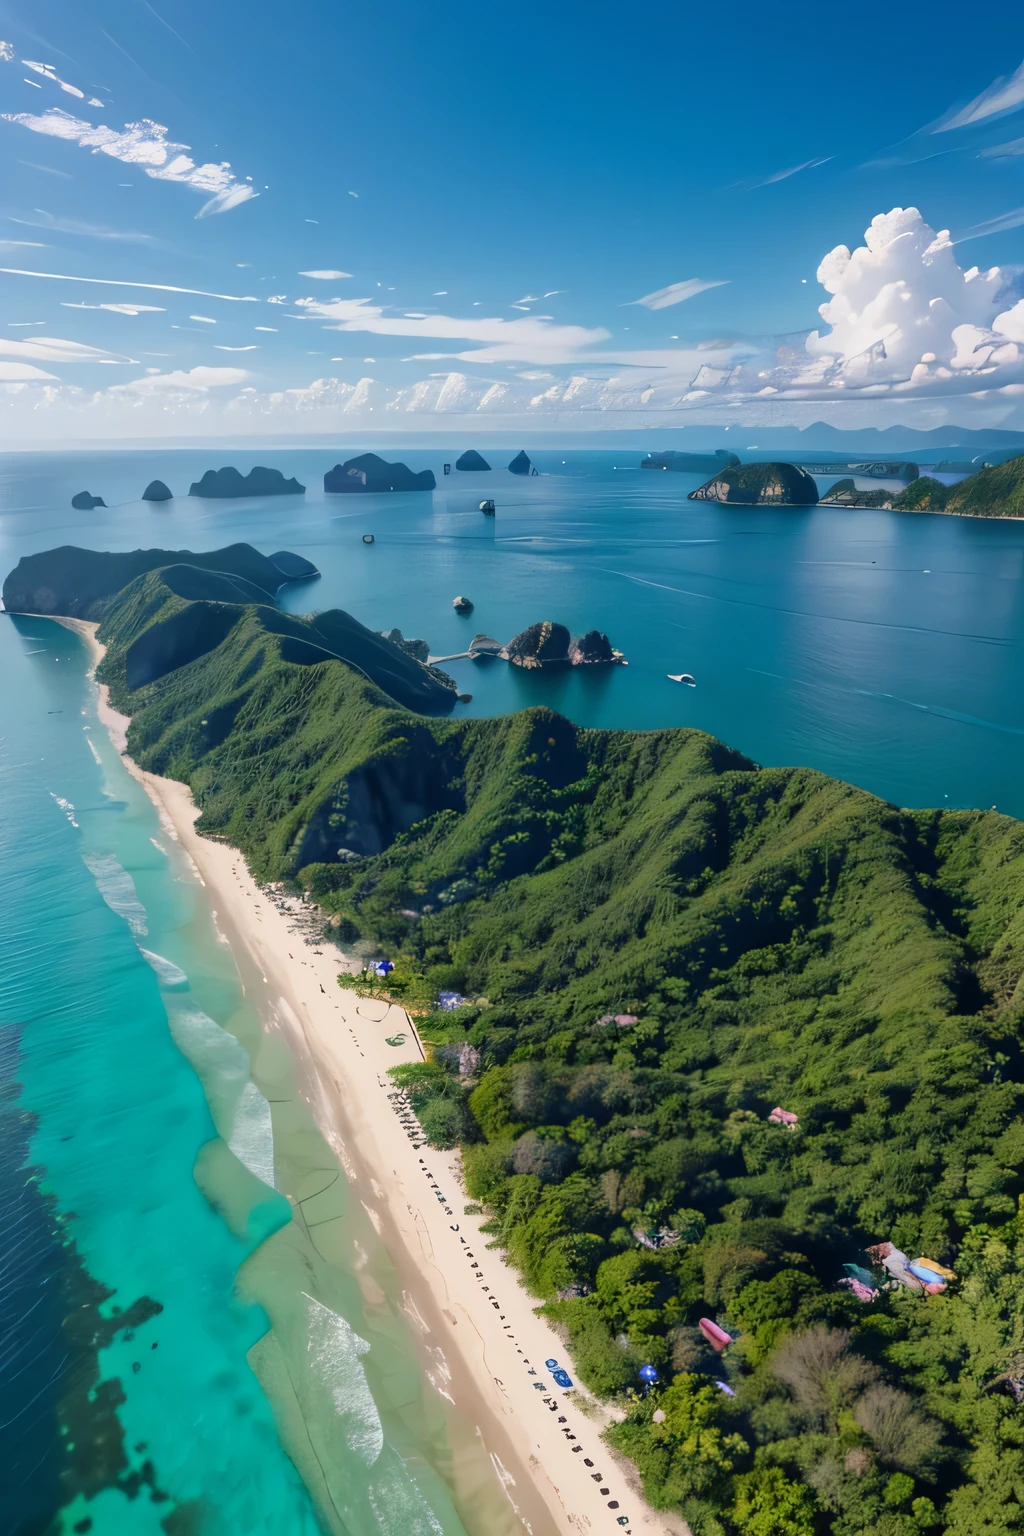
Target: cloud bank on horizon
[[548, 262]]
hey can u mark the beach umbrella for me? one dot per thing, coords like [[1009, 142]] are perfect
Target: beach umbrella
[[648, 1373], [382, 967]]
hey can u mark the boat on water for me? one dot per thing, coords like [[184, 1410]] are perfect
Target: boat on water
[[682, 677]]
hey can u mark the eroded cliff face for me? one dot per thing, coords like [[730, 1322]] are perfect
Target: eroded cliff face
[[381, 799]]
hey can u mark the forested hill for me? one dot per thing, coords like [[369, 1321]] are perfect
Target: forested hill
[[659, 943]]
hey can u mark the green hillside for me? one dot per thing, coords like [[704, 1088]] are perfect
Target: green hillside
[[661, 942], [994, 492]]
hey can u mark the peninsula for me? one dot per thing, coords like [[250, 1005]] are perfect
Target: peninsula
[[732, 1053]]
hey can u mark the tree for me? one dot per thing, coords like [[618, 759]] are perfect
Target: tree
[[822, 1372], [768, 1504]]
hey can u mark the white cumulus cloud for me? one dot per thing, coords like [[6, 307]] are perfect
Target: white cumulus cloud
[[195, 379], [144, 143]]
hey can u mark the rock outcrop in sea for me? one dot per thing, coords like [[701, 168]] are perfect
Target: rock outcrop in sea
[[484, 645], [419, 650], [157, 491], [228, 482], [462, 604], [691, 463], [593, 649], [368, 472], [84, 501], [760, 485], [540, 645], [471, 460], [521, 465]]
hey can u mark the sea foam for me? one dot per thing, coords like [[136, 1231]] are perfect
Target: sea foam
[[170, 976], [222, 1063], [117, 888], [334, 1350]]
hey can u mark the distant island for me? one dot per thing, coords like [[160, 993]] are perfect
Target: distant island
[[157, 491], [471, 460], [84, 501], [368, 472], [846, 493], [521, 465], [760, 485], [229, 482], [691, 463]]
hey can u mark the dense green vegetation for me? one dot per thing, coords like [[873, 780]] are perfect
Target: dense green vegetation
[[760, 485], [994, 492], [657, 943]]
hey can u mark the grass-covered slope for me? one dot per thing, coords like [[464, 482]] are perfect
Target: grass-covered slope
[[661, 942], [78, 583]]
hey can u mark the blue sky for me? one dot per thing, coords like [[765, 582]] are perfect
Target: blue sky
[[490, 191]]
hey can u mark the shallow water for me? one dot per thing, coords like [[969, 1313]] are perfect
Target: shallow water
[[175, 1344], [884, 648]]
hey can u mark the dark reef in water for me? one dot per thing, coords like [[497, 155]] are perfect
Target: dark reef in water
[[84, 501], [368, 472], [229, 482]]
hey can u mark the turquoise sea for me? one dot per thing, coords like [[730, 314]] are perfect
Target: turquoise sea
[[180, 1353]]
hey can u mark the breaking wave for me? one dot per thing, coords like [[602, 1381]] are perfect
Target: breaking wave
[[334, 1350], [170, 976]]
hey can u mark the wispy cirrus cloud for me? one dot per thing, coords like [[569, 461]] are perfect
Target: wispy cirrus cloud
[[62, 226], [776, 176], [1004, 95], [1012, 219], [23, 373], [146, 144], [1008, 151], [49, 73], [117, 309], [53, 349], [529, 340], [120, 282], [677, 293], [325, 274]]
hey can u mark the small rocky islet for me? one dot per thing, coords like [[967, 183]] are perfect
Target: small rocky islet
[[229, 482], [369, 472]]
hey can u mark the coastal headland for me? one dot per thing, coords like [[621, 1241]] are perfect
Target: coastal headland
[[732, 1056], [466, 1301]]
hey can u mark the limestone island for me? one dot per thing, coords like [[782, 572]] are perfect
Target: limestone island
[[550, 645], [471, 460], [157, 491], [83, 501], [227, 482], [760, 485], [521, 465], [691, 463], [370, 473]]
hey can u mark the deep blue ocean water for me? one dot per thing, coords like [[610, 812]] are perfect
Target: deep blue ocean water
[[142, 1120], [884, 648]]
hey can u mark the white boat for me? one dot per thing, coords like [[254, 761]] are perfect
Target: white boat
[[682, 677]]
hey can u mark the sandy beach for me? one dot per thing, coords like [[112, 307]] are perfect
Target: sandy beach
[[557, 1472]]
